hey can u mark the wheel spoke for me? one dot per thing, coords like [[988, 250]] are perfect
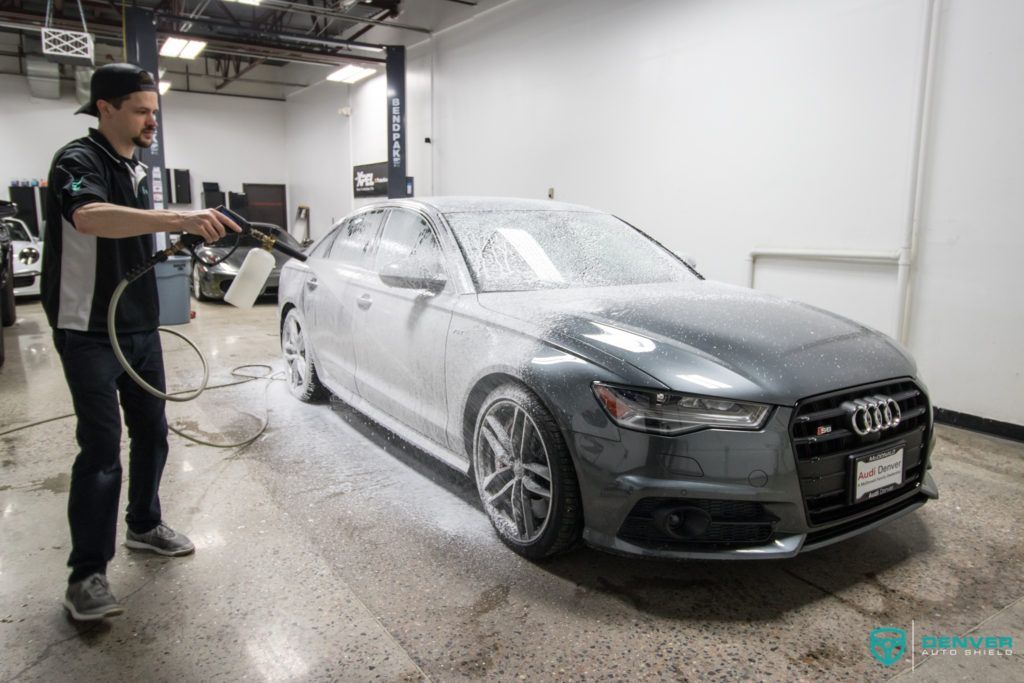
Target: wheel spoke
[[493, 433], [494, 475], [536, 488], [541, 471], [518, 513], [522, 438], [501, 492], [529, 523]]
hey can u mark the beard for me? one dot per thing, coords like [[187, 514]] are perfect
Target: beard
[[143, 142]]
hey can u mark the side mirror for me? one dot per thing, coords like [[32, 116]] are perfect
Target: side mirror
[[412, 274]]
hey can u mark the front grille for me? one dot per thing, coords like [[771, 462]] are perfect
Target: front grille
[[24, 281], [734, 524], [823, 441], [823, 535]]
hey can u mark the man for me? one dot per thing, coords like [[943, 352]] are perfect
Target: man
[[98, 227]]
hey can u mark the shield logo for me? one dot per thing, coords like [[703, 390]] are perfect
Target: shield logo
[[887, 645]]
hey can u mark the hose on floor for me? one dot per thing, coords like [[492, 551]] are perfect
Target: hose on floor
[[270, 376]]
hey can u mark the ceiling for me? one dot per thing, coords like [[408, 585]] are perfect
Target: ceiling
[[241, 37]]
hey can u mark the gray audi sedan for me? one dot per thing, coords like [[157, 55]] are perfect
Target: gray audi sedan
[[598, 388]]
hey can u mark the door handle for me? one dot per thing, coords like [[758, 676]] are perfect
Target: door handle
[[365, 301], [312, 283]]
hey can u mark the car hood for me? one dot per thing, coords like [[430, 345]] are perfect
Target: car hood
[[710, 338]]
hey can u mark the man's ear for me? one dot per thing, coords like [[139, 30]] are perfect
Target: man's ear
[[103, 107]]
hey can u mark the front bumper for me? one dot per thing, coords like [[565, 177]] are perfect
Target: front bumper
[[746, 484], [26, 282]]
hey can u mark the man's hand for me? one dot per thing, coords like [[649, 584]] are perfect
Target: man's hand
[[209, 224]]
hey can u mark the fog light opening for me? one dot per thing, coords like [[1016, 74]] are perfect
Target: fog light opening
[[683, 522]]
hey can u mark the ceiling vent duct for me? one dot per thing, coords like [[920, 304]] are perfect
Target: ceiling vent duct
[[43, 77], [83, 80]]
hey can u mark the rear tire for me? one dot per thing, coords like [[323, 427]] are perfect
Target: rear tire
[[303, 380], [525, 475]]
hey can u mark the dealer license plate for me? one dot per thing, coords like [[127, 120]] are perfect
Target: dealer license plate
[[877, 473]]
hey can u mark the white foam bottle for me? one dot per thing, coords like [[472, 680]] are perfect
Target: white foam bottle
[[250, 279]]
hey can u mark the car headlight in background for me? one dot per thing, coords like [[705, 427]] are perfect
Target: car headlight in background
[[28, 255], [669, 412]]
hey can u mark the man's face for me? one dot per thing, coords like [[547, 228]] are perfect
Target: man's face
[[135, 120]]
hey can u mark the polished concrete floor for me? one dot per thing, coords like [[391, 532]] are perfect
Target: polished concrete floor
[[327, 550]]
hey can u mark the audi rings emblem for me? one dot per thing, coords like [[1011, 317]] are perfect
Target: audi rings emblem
[[873, 414]]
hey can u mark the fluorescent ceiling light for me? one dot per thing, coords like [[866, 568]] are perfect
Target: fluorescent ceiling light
[[173, 47], [246, 2], [164, 87], [180, 47], [193, 49], [351, 74]]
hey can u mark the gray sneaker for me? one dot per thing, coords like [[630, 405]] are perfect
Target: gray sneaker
[[161, 539], [90, 599]]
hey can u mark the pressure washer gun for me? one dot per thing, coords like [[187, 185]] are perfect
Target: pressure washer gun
[[254, 272]]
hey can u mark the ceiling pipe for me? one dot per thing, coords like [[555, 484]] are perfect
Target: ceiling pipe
[[13, 21], [300, 38], [325, 12]]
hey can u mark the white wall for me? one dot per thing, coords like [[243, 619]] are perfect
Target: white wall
[[220, 139], [318, 155], [967, 329], [723, 126], [227, 140]]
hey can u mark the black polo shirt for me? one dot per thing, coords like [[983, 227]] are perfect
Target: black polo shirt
[[80, 272]]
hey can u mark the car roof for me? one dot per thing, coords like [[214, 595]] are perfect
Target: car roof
[[479, 204]]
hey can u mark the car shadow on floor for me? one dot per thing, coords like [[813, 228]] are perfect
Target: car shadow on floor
[[709, 590]]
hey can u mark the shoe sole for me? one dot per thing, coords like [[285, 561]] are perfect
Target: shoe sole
[[139, 545], [94, 616]]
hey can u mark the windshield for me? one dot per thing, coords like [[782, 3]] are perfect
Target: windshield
[[530, 250], [18, 231]]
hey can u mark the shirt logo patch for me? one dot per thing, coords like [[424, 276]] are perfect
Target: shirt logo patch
[[76, 185]]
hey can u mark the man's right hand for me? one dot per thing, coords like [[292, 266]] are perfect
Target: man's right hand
[[209, 224]]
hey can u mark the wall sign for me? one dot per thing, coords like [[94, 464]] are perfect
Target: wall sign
[[370, 180]]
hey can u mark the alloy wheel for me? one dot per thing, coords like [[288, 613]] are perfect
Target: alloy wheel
[[294, 347], [513, 471]]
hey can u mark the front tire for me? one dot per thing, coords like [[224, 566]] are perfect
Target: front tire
[[303, 380], [525, 475]]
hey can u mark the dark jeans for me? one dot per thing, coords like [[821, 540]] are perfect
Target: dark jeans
[[96, 381]]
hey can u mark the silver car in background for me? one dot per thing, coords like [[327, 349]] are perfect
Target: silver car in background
[[596, 387], [211, 282], [27, 250]]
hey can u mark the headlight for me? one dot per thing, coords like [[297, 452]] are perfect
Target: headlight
[[28, 255], [668, 412]]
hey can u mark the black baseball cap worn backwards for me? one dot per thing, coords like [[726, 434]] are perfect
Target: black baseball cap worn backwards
[[111, 81]]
